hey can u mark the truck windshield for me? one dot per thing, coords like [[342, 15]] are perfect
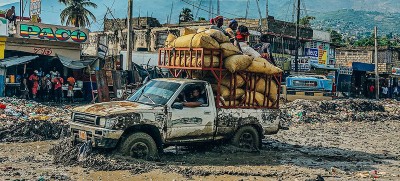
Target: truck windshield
[[155, 92]]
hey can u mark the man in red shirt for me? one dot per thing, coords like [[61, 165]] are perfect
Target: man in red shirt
[[35, 82], [58, 82], [371, 91], [71, 84]]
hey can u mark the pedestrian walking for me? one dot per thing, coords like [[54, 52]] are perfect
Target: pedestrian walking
[[371, 91], [71, 84], [24, 88], [385, 91], [35, 83], [58, 81]]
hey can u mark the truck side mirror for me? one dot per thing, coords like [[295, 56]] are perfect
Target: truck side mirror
[[177, 105]]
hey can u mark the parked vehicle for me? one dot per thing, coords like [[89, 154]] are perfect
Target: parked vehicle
[[155, 117]]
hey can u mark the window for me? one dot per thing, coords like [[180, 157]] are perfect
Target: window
[[195, 92], [155, 92], [303, 83]]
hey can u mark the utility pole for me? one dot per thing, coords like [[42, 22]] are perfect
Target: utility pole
[[266, 15], [218, 12], [296, 58], [376, 64], [129, 39]]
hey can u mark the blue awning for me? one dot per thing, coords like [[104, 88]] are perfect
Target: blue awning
[[365, 67], [8, 62], [320, 66]]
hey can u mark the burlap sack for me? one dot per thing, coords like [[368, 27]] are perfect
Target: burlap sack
[[262, 86], [196, 62], [200, 40], [232, 103], [227, 80], [218, 35], [169, 41], [228, 49], [236, 63], [226, 93], [259, 99], [260, 65], [202, 29], [187, 31]]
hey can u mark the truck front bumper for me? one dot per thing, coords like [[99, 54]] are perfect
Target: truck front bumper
[[100, 137]]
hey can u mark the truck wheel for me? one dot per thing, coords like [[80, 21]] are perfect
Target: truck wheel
[[246, 137], [139, 145]]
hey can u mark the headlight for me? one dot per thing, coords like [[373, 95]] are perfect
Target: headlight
[[110, 122]]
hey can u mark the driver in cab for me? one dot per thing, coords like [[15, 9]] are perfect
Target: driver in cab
[[195, 100]]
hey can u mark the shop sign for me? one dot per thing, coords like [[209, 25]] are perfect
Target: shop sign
[[304, 64], [311, 52], [346, 70], [322, 56], [3, 27], [51, 32], [395, 71], [35, 7]]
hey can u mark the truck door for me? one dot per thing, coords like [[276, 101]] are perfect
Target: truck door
[[192, 123]]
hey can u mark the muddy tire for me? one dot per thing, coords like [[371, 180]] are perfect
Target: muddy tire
[[247, 137], [139, 145]]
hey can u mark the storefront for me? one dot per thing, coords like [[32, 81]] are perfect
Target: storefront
[[360, 80], [44, 48]]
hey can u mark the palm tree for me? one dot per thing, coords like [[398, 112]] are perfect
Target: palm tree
[[76, 13], [186, 15]]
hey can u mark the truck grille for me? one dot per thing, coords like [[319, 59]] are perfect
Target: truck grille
[[85, 119]]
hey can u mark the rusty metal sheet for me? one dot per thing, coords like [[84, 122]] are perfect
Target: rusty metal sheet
[[102, 86]]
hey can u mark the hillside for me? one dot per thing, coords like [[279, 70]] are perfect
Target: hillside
[[357, 23]]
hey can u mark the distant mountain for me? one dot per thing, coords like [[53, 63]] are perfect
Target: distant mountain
[[358, 24], [324, 10]]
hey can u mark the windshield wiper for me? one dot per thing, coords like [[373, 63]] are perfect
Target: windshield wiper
[[146, 96], [140, 94]]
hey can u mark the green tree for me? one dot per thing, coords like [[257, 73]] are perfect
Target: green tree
[[306, 21], [76, 13], [186, 15], [337, 38]]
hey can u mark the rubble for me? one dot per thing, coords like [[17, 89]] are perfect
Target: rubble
[[23, 120], [308, 111]]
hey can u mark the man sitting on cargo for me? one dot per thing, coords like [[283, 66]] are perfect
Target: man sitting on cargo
[[195, 99], [241, 36], [216, 24]]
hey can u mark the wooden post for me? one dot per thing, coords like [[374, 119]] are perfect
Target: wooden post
[[102, 86], [117, 83]]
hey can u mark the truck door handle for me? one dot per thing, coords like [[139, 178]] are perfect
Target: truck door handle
[[207, 112]]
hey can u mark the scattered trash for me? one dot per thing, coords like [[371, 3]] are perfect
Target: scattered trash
[[23, 120], [308, 111]]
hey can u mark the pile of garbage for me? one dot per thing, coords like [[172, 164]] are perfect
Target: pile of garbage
[[23, 120], [308, 111]]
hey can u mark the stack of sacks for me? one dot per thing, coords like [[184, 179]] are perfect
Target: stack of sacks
[[233, 60]]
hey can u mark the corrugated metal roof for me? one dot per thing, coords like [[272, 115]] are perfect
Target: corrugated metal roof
[[8, 62], [74, 64]]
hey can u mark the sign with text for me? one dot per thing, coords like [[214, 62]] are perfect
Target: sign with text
[[395, 71], [311, 52], [304, 64], [3, 27], [35, 7], [51, 32], [346, 70], [322, 56]]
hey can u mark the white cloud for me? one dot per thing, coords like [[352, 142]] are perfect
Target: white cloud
[[9, 2]]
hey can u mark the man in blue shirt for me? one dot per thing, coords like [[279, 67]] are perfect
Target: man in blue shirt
[[195, 99]]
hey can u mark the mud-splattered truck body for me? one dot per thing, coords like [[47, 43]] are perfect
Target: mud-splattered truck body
[[158, 114]]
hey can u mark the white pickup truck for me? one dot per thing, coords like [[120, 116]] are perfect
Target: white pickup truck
[[155, 117]]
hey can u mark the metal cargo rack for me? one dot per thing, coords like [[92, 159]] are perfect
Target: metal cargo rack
[[168, 59]]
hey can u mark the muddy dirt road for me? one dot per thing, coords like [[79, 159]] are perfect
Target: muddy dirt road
[[335, 151]]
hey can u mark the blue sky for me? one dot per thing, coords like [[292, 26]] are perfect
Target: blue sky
[[160, 9]]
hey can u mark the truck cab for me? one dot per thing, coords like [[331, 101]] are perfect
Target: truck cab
[[166, 112]]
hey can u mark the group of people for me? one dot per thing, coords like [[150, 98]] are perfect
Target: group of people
[[46, 87], [385, 91], [238, 36]]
